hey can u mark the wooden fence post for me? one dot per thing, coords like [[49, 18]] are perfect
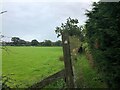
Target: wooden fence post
[[67, 61]]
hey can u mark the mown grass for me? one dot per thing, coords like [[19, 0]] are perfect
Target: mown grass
[[86, 76], [28, 65]]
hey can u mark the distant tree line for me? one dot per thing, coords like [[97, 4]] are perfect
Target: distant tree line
[[16, 41]]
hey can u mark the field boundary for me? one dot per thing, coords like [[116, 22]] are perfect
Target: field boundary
[[49, 79]]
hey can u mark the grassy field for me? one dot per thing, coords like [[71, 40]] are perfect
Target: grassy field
[[28, 65]]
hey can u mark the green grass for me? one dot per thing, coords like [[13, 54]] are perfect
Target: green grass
[[59, 84], [30, 64], [86, 76]]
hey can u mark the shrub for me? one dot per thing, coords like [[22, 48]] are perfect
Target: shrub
[[61, 58], [103, 37]]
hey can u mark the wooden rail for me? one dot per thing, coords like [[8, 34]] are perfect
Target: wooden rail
[[48, 80]]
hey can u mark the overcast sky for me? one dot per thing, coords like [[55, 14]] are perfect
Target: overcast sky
[[37, 20]]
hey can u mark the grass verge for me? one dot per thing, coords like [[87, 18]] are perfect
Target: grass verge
[[86, 76]]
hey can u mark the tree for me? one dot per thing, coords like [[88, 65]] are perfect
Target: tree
[[15, 41], [22, 42], [28, 43], [58, 43], [69, 27], [47, 43], [34, 42]]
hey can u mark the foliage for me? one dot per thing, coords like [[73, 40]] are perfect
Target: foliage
[[34, 42], [31, 64], [61, 58], [103, 37], [47, 43], [70, 27], [57, 43], [7, 81], [15, 40], [60, 84], [75, 44]]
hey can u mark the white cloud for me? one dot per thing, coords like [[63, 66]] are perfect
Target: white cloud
[[51, 0], [38, 20]]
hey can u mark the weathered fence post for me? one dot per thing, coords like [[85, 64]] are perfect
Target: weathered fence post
[[67, 61]]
